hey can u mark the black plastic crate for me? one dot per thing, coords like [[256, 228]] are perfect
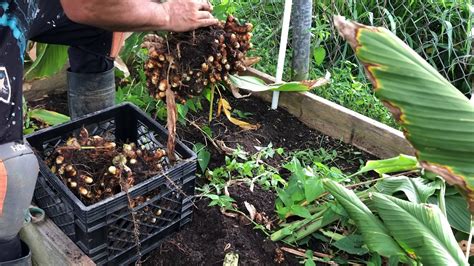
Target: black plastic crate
[[105, 230]]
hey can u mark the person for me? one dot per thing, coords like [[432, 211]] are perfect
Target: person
[[92, 30]]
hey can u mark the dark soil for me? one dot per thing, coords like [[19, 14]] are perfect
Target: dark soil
[[211, 234], [276, 126], [54, 102]]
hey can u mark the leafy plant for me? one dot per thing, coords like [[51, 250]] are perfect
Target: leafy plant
[[437, 118], [38, 118], [48, 59], [303, 188], [422, 231], [406, 229], [222, 201], [249, 169], [366, 221]]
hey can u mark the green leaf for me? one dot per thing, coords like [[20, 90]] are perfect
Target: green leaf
[[203, 156], [417, 190], [352, 244], [457, 213], [300, 211], [207, 130], [257, 85], [397, 164], [437, 119], [421, 229], [376, 235], [375, 260], [309, 258], [50, 59], [48, 117], [313, 187], [319, 53]]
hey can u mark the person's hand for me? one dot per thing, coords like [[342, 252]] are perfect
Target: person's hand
[[188, 15]]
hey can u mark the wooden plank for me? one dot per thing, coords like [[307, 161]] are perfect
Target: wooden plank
[[37, 89], [50, 246], [339, 122]]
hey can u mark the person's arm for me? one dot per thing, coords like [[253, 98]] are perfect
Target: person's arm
[[140, 15]]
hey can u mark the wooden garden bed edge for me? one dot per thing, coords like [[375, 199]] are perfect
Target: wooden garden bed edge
[[50, 246]]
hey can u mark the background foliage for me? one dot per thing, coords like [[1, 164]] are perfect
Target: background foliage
[[439, 30]]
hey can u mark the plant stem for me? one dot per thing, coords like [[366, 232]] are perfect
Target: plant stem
[[442, 200], [316, 224], [354, 185], [469, 240], [211, 104]]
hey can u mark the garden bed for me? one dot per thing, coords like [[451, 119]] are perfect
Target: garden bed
[[212, 234]]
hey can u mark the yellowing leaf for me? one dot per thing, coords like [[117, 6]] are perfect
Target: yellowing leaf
[[223, 105]]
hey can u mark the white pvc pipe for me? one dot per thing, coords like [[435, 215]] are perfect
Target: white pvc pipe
[[281, 55]]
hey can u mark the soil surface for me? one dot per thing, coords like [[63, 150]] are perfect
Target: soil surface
[[276, 126], [211, 234]]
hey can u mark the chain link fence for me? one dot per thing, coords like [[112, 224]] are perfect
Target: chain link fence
[[441, 31]]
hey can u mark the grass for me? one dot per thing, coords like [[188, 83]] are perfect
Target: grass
[[437, 30]]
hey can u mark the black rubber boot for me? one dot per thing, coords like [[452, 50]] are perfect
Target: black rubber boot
[[90, 92], [15, 253]]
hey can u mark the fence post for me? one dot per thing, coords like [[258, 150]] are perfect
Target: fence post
[[301, 38]]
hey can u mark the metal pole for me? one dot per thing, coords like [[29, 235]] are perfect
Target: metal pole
[[301, 38]]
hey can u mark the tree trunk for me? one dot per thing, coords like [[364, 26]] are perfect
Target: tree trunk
[[301, 38]]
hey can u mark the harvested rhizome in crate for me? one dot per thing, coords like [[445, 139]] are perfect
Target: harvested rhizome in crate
[[95, 168], [108, 184]]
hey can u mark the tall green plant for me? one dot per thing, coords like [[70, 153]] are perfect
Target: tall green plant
[[50, 59]]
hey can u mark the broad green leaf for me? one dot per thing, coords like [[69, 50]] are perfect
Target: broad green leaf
[[257, 85], [313, 188], [352, 244], [458, 215], [417, 190], [48, 117], [376, 235], [421, 229], [50, 59], [437, 119], [397, 164]]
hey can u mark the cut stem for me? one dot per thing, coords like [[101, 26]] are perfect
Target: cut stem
[[442, 200]]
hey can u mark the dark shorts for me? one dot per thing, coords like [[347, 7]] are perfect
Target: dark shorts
[[42, 21]]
